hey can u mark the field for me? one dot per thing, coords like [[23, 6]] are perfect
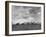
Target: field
[[27, 26]]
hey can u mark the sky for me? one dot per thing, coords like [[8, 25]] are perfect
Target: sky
[[24, 14]]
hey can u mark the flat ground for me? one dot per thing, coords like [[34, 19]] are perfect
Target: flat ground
[[26, 27]]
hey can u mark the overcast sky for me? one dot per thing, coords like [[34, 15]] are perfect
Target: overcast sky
[[21, 14]]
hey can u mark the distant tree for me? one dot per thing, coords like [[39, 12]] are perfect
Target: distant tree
[[17, 24], [22, 24]]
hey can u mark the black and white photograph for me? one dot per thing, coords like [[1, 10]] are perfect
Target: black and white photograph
[[25, 18]]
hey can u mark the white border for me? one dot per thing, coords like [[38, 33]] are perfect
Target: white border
[[28, 31]]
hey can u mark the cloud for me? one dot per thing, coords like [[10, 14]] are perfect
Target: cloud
[[21, 14]]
